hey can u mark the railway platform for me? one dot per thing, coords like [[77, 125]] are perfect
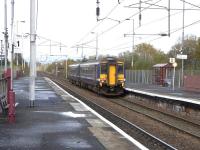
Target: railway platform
[[165, 92], [58, 121]]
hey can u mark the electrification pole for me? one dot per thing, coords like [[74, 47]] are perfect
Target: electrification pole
[[1, 55], [5, 34], [183, 34], [12, 42], [32, 53], [97, 46]]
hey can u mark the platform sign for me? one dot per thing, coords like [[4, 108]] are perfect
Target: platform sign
[[179, 56], [172, 60]]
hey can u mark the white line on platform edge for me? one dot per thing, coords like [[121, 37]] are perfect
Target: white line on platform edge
[[190, 100], [135, 142]]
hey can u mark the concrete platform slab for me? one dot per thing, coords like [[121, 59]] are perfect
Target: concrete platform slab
[[57, 121]]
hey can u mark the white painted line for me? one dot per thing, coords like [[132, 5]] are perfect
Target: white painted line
[[190, 100], [135, 142], [16, 104]]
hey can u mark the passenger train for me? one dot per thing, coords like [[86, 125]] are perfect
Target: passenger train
[[105, 76]]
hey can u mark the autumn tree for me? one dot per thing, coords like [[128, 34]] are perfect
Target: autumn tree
[[191, 48], [144, 56]]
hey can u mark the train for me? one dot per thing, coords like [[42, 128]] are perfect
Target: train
[[105, 76]]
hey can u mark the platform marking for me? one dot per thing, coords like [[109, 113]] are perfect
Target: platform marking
[[97, 123], [135, 142], [112, 140], [189, 100], [67, 98], [78, 107]]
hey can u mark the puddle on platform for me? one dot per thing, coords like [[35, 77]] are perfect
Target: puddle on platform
[[67, 114]]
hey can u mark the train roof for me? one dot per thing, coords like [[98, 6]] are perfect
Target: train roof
[[74, 65], [96, 62], [90, 63]]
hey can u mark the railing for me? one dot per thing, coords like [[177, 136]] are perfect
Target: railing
[[3, 95], [146, 76]]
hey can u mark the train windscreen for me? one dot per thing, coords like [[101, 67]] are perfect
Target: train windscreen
[[103, 69], [120, 69]]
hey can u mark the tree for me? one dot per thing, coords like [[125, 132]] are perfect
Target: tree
[[143, 57], [191, 48]]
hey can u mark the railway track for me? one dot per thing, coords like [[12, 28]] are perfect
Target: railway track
[[134, 131], [181, 124]]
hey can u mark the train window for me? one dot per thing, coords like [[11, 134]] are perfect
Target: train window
[[103, 68], [120, 68]]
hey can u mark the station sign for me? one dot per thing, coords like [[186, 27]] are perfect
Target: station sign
[[179, 56], [172, 60], [2, 56]]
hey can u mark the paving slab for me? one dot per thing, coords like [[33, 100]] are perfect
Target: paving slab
[[57, 122]]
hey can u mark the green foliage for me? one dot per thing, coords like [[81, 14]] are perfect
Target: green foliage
[[191, 48], [144, 56]]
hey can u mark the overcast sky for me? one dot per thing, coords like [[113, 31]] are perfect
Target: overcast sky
[[73, 22]]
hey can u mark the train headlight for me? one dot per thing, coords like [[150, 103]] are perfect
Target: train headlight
[[100, 84], [102, 80]]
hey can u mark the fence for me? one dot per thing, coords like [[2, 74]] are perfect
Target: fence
[[146, 76], [3, 95]]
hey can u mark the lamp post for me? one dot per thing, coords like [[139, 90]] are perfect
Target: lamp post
[[17, 34], [5, 34], [96, 57], [133, 40], [1, 54], [174, 65], [182, 62], [32, 52]]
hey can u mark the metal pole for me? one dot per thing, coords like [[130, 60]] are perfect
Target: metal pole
[[133, 35], [32, 53], [12, 41], [96, 46], [182, 62], [56, 70], [5, 35], [140, 15], [169, 18], [66, 68], [50, 47], [173, 78], [1, 53]]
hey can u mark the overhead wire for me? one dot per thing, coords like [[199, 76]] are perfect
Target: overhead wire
[[178, 29], [109, 29], [101, 21], [173, 31], [157, 20], [191, 4]]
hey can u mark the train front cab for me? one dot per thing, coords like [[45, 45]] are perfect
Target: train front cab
[[112, 78]]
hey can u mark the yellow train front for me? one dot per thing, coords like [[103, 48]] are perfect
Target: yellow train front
[[111, 77]]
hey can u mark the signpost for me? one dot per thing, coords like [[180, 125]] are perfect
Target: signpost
[[182, 57], [174, 65]]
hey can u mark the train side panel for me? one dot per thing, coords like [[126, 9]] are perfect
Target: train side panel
[[88, 74]]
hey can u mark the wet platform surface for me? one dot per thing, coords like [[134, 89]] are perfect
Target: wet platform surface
[[177, 93], [56, 122]]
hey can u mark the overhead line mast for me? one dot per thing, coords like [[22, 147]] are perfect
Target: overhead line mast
[[97, 10]]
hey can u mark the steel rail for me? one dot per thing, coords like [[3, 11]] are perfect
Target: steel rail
[[159, 120], [153, 141]]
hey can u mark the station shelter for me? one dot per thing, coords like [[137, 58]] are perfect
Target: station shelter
[[162, 74]]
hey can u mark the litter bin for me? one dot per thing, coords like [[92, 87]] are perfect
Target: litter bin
[[167, 82]]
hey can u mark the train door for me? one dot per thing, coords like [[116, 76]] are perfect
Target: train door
[[112, 74]]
